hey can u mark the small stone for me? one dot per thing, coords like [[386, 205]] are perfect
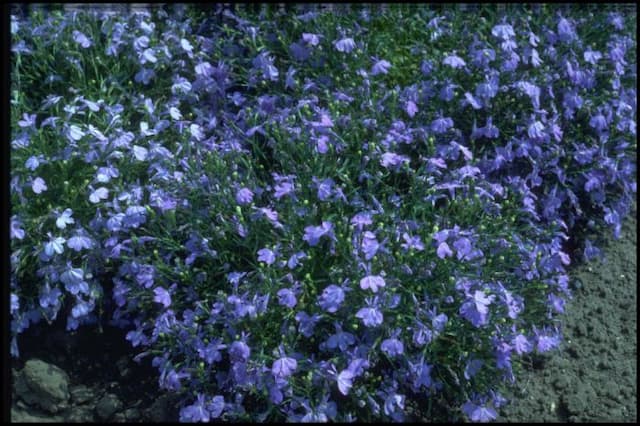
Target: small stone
[[81, 414], [44, 385], [132, 414], [81, 394], [107, 406]]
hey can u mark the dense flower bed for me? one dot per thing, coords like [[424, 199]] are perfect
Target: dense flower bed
[[318, 216]]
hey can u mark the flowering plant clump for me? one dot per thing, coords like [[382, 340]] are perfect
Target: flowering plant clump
[[312, 216]]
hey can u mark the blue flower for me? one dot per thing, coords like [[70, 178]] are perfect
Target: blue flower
[[380, 67], [345, 45], [372, 282], [286, 297], [64, 219], [267, 256], [162, 296], [197, 412], [370, 245], [454, 61], [370, 316], [392, 347], [101, 193], [55, 245], [38, 185], [284, 367], [331, 298], [345, 381], [478, 413], [244, 196]]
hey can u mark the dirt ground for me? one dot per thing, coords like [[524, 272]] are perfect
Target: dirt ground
[[593, 378]]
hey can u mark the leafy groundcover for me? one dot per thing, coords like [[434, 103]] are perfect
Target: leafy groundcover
[[352, 213]]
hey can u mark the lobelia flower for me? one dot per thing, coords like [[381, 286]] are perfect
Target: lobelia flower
[[306, 323], [239, 351], [55, 245], [441, 125], [370, 316], [380, 67], [312, 234], [81, 39], [38, 186], [15, 229], [101, 193], [64, 219], [369, 245], [345, 45], [503, 31], [162, 296], [392, 347], [244, 196], [454, 61], [196, 412], [475, 309], [284, 367], [345, 381], [331, 298], [479, 413], [286, 297], [372, 282], [443, 250]]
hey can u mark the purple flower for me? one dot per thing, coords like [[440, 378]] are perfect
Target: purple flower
[[380, 67], [239, 351], [311, 39], [283, 188], [444, 250], [441, 125], [521, 344], [411, 108], [244, 196], [73, 280], [454, 61], [81, 39], [361, 220], [341, 340], [64, 219], [16, 231], [325, 189], [312, 234], [197, 412], [503, 31], [393, 160], [101, 193], [412, 242], [370, 316], [345, 45], [478, 413], [372, 282], [463, 248], [286, 297], [284, 367], [306, 323], [38, 185], [566, 32], [79, 242], [475, 309], [592, 56], [345, 381], [267, 256], [331, 298], [370, 245], [211, 352], [54, 245], [392, 347], [162, 296]]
